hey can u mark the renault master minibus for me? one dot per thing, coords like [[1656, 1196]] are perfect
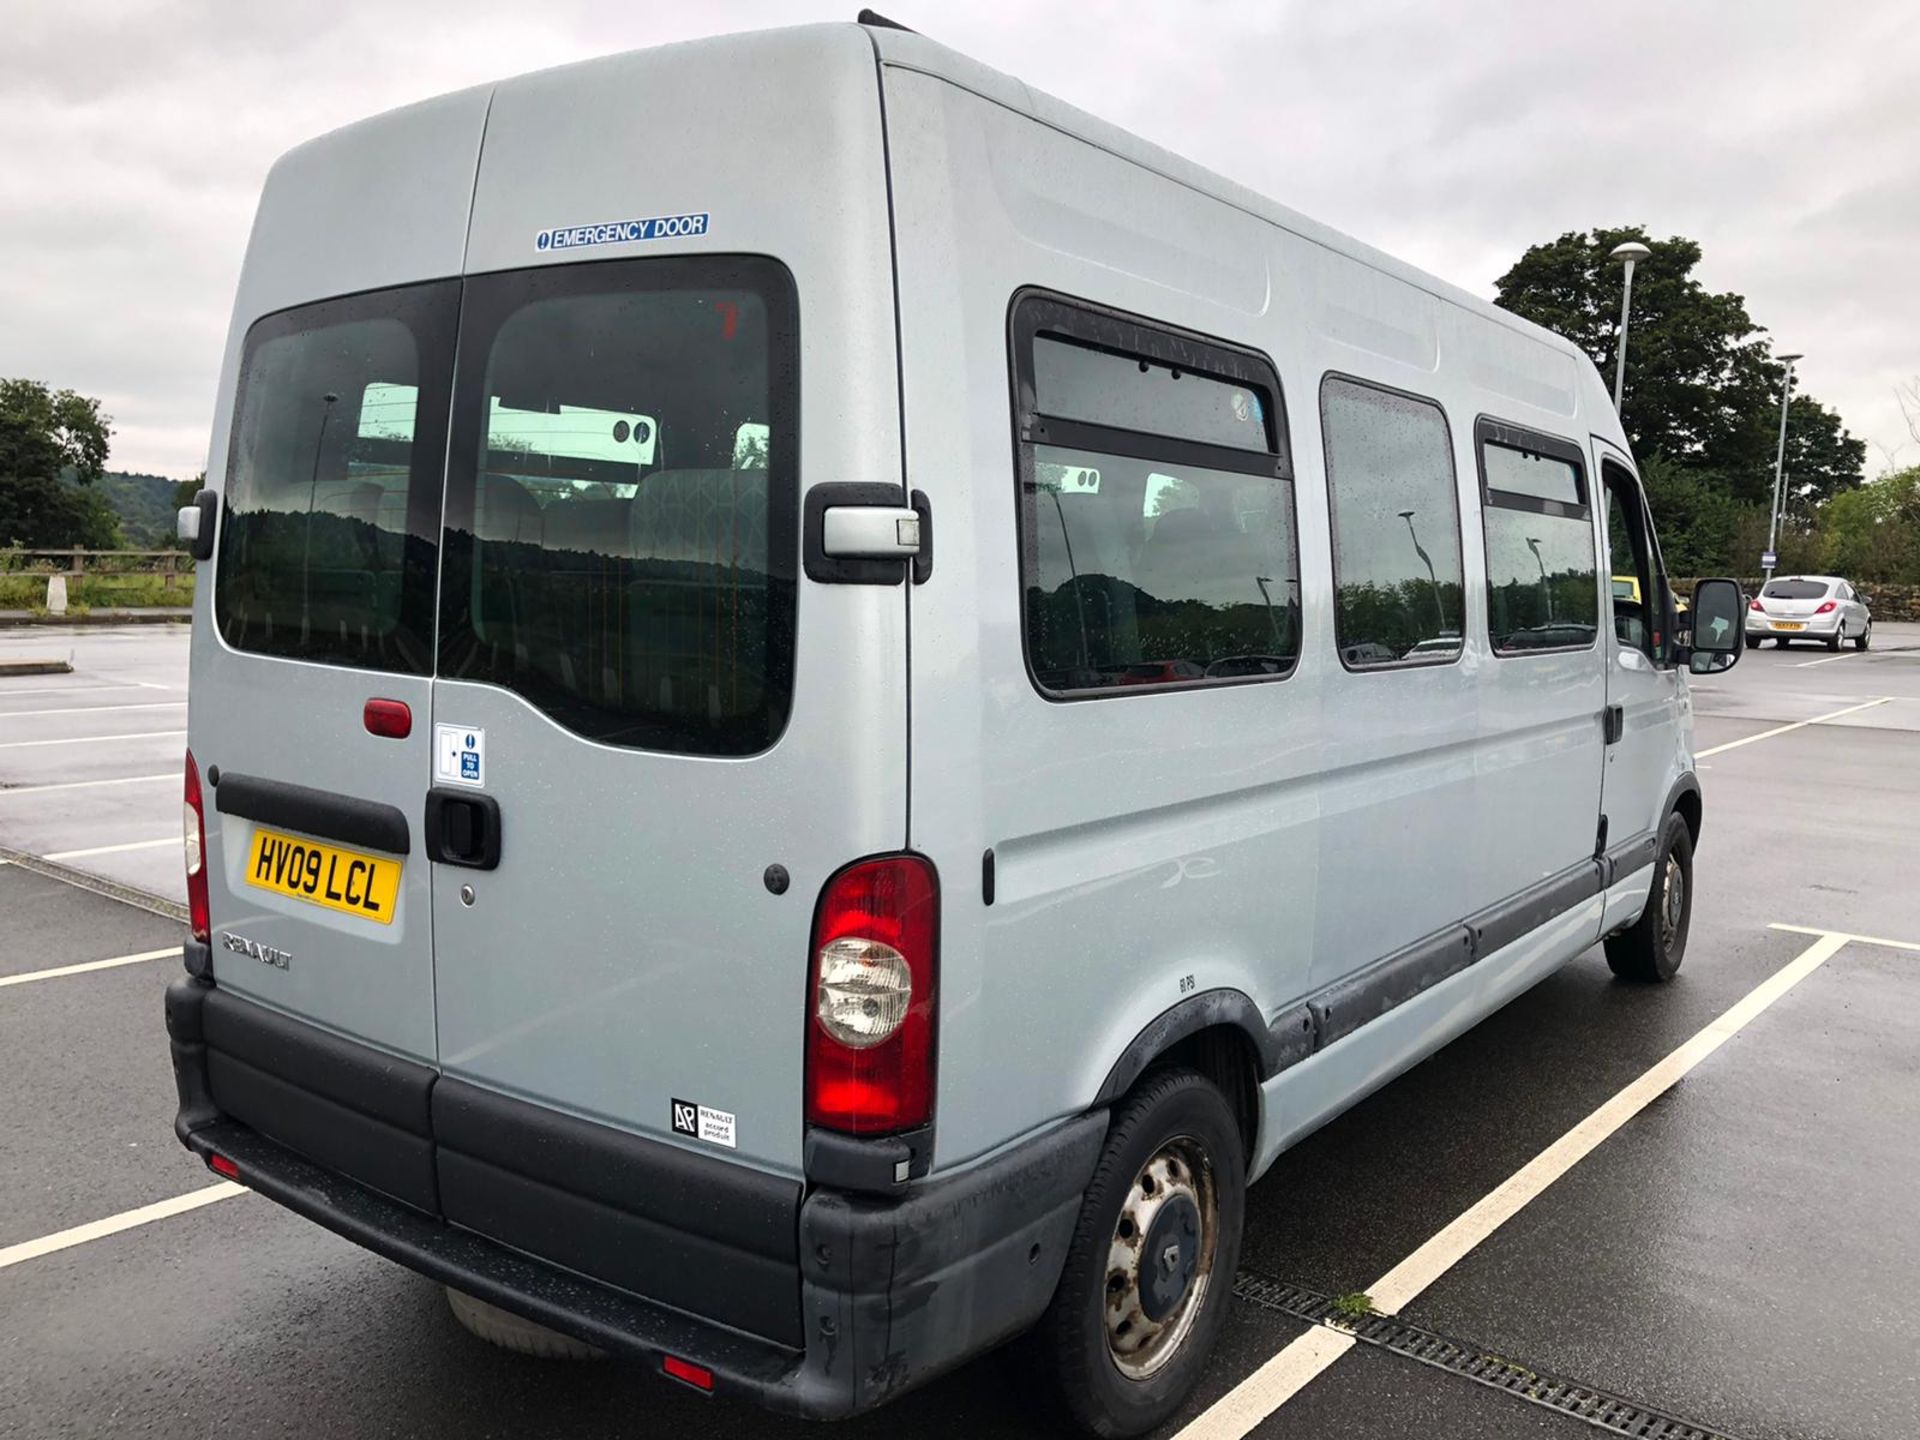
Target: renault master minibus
[[820, 724]]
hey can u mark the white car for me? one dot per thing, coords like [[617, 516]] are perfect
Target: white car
[[1809, 607]]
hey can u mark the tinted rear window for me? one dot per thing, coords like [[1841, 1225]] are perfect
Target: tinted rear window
[[332, 495], [1796, 589], [620, 542]]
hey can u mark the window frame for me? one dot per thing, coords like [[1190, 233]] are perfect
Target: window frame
[[1333, 527], [1033, 311], [1491, 430]]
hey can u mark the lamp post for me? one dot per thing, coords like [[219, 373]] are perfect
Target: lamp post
[[1629, 254], [1545, 588], [1439, 610], [1780, 459]]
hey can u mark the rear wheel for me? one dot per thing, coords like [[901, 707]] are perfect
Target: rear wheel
[[1652, 948], [1839, 634], [1753, 642], [1150, 1271], [1864, 638], [513, 1332]]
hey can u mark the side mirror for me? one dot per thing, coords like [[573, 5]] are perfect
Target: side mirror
[[1719, 612]]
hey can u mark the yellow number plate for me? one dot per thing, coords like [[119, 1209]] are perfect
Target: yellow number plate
[[1788, 625], [340, 879]]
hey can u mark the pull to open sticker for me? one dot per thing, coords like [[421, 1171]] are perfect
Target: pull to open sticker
[[460, 755]]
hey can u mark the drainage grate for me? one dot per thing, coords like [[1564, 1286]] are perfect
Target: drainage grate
[[113, 890], [1460, 1357]]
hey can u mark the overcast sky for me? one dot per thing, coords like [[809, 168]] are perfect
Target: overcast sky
[[1783, 135]]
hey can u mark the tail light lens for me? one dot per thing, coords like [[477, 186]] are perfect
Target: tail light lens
[[1827, 607], [870, 1035], [193, 836], [1754, 604]]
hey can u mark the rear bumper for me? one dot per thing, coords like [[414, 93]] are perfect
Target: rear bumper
[[875, 1295], [1808, 629]]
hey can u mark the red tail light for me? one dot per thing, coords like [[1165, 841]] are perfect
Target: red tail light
[[870, 1034], [1826, 608], [1754, 604], [687, 1372], [193, 835]]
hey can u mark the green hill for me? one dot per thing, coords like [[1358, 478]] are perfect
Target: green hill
[[146, 506]]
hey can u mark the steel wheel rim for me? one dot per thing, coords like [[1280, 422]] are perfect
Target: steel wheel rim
[[1673, 902], [1175, 1176]]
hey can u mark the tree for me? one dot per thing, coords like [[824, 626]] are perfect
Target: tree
[[53, 446], [1703, 389]]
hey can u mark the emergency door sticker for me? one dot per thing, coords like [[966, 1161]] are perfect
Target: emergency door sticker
[[460, 755], [703, 1122], [623, 232]]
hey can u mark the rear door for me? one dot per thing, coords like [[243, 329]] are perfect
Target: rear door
[[677, 736], [323, 598]]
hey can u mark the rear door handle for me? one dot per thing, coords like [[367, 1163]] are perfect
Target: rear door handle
[[463, 829], [1614, 721]]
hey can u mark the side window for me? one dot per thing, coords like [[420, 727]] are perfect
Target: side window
[[1542, 592], [1630, 563], [1156, 508], [1399, 591]]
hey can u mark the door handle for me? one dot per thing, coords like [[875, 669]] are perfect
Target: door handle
[[1613, 720], [463, 829]]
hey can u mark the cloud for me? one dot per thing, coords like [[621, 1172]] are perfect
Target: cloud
[[1781, 136]]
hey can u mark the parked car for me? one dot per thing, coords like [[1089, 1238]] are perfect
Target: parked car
[[649, 886], [1809, 607]]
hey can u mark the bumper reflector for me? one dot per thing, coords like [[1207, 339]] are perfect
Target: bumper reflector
[[687, 1372], [223, 1167]]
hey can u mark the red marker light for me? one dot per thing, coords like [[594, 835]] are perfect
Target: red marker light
[[389, 719], [222, 1166], [688, 1373]]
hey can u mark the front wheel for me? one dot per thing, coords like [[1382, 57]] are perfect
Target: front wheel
[[1651, 949], [1779, 642], [1149, 1274]]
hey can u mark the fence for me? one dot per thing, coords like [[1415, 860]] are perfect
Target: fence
[[49, 579], [169, 565]]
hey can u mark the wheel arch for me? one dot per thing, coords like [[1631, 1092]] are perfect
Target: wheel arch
[[1684, 799], [1219, 1033]]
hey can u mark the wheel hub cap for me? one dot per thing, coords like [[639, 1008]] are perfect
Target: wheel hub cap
[[1675, 902], [1160, 1261]]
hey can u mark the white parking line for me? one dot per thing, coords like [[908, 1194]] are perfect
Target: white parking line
[[1828, 659], [91, 739], [114, 1224], [1855, 939], [173, 775], [1264, 1391], [112, 849], [86, 965], [97, 709], [1783, 729], [9, 691]]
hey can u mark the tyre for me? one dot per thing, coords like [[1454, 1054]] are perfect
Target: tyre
[[1651, 949], [1864, 638], [512, 1332], [1149, 1275], [1839, 634], [1753, 642], [1779, 642]]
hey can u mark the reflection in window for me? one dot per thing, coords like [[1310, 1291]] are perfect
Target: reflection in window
[[1138, 573], [1542, 593], [1397, 571], [1078, 382]]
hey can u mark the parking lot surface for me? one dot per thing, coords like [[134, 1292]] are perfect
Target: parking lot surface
[[1695, 1200]]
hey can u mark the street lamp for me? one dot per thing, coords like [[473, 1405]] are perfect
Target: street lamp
[[1780, 458], [1439, 610], [1629, 254], [1545, 588]]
